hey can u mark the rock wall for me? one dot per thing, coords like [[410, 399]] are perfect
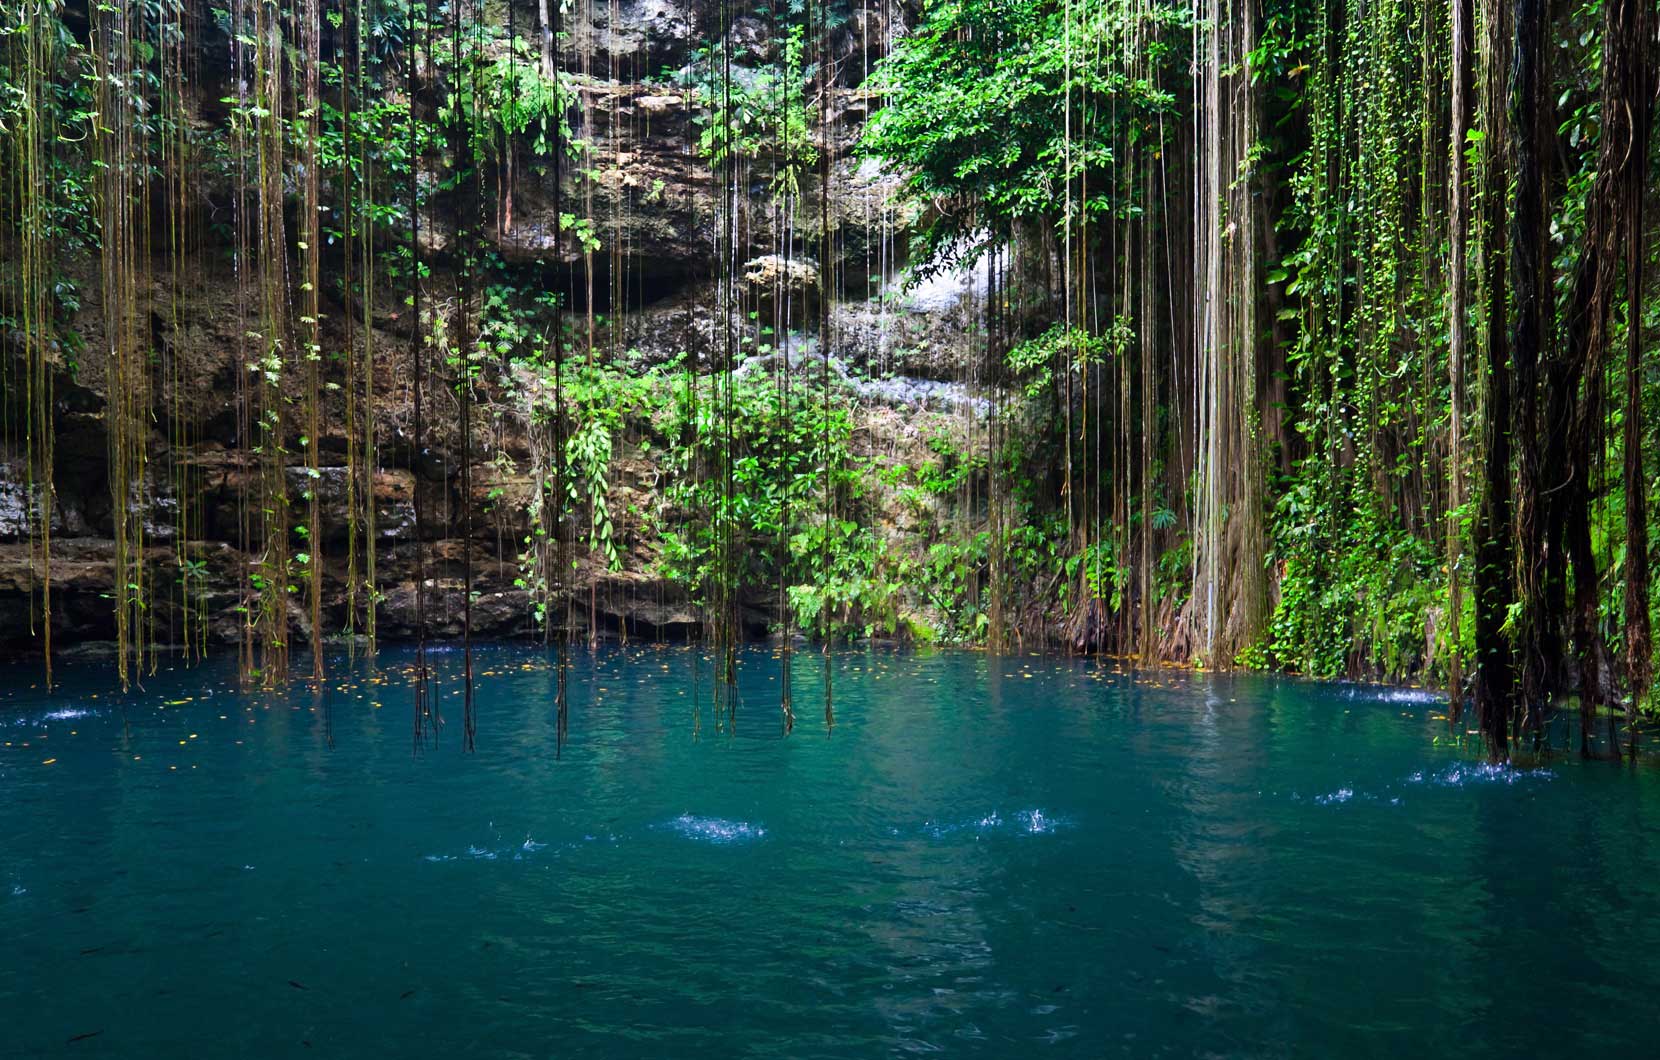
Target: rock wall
[[654, 204]]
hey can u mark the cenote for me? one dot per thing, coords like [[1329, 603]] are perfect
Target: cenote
[[1026, 855]]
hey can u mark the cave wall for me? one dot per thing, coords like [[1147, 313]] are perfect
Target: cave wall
[[655, 204]]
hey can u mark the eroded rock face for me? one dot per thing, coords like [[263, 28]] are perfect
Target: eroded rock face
[[16, 515], [654, 202], [640, 39], [918, 326]]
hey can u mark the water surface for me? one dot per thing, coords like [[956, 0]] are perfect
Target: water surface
[[1029, 856]]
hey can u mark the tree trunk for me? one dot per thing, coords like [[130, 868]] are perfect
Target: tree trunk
[[1458, 311], [1495, 679], [1529, 292], [1609, 224], [1638, 646]]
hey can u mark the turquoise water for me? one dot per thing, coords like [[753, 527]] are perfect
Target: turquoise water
[[986, 858]]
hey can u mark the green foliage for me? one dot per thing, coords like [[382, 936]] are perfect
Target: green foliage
[[751, 113], [839, 575], [500, 93], [1353, 602], [859, 589], [588, 455], [952, 572], [1036, 129], [1032, 363], [980, 100]]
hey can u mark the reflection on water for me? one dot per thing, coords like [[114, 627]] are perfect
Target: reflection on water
[[985, 856]]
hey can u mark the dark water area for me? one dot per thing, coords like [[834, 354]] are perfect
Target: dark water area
[[1030, 856]]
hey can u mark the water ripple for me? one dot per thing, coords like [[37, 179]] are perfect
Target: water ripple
[[1023, 822], [1461, 774], [60, 714], [717, 830]]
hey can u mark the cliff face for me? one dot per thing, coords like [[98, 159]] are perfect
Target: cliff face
[[653, 201]]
